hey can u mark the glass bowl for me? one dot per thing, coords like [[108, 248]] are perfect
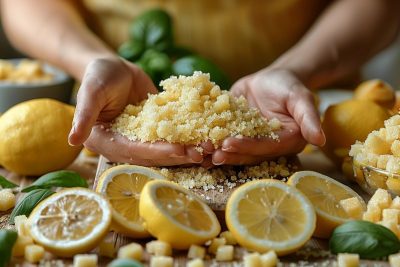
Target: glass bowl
[[371, 178]]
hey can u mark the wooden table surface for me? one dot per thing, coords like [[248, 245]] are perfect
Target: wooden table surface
[[314, 253]]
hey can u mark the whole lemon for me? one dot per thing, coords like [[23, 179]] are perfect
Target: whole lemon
[[347, 122], [34, 137]]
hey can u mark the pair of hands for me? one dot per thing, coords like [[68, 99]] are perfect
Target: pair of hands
[[110, 84]]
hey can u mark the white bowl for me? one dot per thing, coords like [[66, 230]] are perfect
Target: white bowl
[[59, 88]]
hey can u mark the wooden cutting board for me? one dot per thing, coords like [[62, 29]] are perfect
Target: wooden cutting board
[[314, 253]]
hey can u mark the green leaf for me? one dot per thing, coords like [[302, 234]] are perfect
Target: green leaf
[[4, 183], [29, 202], [189, 64], [369, 240], [153, 29], [131, 50], [125, 263], [7, 241], [58, 179]]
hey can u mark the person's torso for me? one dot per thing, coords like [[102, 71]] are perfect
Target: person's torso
[[241, 36]]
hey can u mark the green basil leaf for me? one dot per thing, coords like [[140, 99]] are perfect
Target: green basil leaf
[[369, 240], [153, 29], [58, 179], [131, 50], [125, 263], [29, 202], [7, 241], [189, 64], [4, 183]]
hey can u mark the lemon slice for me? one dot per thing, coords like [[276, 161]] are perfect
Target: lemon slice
[[325, 194], [268, 215], [71, 221], [176, 215], [122, 186]]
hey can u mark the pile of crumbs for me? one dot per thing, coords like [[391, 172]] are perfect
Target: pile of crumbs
[[227, 177], [381, 148], [191, 110]]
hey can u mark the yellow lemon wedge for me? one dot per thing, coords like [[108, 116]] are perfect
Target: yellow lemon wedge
[[176, 215], [122, 186], [268, 215], [70, 222], [325, 194]]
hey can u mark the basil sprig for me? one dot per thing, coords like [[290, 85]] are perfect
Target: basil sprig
[[29, 202], [57, 179], [369, 240], [7, 241], [4, 183]]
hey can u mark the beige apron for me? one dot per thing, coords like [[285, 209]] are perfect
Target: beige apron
[[238, 35]]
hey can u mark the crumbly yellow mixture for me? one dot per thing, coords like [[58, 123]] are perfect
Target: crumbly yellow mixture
[[381, 149], [226, 176], [25, 71], [191, 110]]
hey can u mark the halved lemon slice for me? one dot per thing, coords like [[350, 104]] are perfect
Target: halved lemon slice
[[71, 221], [325, 194], [176, 215], [268, 215], [122, 186]]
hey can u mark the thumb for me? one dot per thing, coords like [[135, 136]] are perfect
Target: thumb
[[88, 107], [301, 107]]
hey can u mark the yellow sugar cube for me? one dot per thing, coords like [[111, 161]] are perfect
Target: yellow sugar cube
[[85, 260], [107, 249], [269, 259], [353, 207], [159, 248], [373, 213], [7, 199], [382, 161], [34, 253], [391, 215], [215, 243], [252, 260], [392, 133], [393, 165], [395, 148], [20, 244], [132, 251], [393, 121], [391, 225], [161, 261], [348, 260], [381, 198], [21, 226], [224, 253], [222, 103], [393, 185], [230, 239], [395, 203], [394, 260], [196, 251], [376, 145], [195, 263]]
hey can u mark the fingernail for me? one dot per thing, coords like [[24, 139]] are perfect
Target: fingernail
[[219, 162], [197, 161], [229, 149]]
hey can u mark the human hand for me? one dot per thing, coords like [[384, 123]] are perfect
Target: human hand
[[277, 94], [108, 85]]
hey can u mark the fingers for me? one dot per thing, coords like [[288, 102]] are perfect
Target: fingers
[[301, 106], [88, 108], [117, 148], [225, 158], [290, 141]]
